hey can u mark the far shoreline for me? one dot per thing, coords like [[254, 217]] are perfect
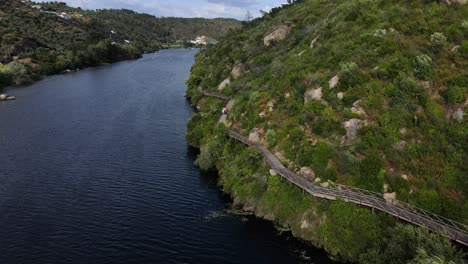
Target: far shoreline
[[64, 72]]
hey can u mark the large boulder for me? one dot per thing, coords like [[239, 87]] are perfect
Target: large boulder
[[357, 109], [390, 197], [307, 172], [280, 33], [313, 94], [334, 81], [254, 136], [236, 71], [403, 131], [280, 155], [352, 126], [340, 95], [305, 224], [399, 146], [271, 106], [223, 84], [459, 115]]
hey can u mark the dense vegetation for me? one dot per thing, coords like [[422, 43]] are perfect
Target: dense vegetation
[[403, 79], [43, 43]]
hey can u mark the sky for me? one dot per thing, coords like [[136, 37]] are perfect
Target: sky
[[184, 8]]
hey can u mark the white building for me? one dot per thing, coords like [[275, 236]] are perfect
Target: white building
[[200, 40], [64, 15]]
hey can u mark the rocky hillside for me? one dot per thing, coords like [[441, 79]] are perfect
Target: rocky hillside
[[366, 93]]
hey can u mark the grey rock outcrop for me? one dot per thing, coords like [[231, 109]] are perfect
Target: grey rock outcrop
[[279, 34], [390, 197], [399, 146], [459, 115], [340, 95], [271, 106], [223, 84], [357, 109], [334, 81], [5, 97], [236, 71], [307, 172], [352, 126], [314, 94], [254, 136]]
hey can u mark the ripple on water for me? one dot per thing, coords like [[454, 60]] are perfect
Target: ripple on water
[[96, 169]]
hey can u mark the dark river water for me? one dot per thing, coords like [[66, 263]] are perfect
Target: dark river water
[[95, 168]]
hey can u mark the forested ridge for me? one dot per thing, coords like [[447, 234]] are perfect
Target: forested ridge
[[365, 93], [46, 38]]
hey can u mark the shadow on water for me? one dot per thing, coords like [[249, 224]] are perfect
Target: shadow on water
[[305, 251]]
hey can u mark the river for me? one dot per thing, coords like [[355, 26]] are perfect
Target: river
[[95, 168]]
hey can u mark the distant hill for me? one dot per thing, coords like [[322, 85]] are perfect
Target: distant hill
[[167, 30], [46, 38]]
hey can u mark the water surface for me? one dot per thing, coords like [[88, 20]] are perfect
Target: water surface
[[95, 168]]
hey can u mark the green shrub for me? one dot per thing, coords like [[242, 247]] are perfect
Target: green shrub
[[210, 153], [372, 174], [423, 66], [428, 199], [350, 74], [271, 137], [19, 72], [404, 243], [464, 25], [407, 93], [344, 223], [456, 94], [438, 40]]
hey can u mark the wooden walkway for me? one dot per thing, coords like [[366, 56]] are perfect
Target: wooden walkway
[[217, 95], [456, 231]]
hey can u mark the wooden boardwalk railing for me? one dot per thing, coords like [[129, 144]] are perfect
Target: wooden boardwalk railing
[[456, 231]]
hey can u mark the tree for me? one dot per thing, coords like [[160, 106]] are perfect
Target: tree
[[19, 72]]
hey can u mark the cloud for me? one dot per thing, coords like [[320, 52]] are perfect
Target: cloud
[[191, 9], [183, 8], [237, 3]]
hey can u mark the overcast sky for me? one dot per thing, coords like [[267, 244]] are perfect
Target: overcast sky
[[184, 8]]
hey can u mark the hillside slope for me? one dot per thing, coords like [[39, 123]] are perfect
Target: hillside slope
[[364, 93]]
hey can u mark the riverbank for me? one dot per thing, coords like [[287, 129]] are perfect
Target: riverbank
[[348, 232], [24, 71]]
